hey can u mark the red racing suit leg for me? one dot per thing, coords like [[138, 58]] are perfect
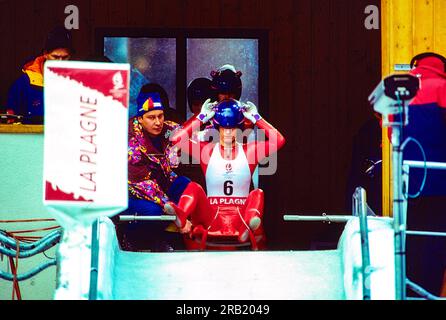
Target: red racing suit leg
[[254, 207], [194, 204]]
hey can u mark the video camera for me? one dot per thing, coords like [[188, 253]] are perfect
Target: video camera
[[388, 97]]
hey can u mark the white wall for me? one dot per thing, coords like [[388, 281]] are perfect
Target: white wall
[[21, 165]]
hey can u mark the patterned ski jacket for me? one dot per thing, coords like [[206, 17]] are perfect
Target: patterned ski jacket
[[150, 163]]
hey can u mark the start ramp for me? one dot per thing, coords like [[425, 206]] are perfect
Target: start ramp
[[240, 275]]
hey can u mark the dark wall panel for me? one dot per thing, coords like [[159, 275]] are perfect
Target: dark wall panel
[[322, 65]]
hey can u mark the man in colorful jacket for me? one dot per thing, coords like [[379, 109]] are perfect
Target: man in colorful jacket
[[25, 96], [151, 179]]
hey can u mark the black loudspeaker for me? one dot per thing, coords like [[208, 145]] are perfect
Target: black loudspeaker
[[420, 56]]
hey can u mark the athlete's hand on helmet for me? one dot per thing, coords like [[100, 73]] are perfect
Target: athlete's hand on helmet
[[250, 112], [207, 111]]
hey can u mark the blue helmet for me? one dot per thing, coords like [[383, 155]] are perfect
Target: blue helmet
[[228, 114]]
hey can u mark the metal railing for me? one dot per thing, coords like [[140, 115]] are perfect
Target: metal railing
[[360, 210], [407, 164], [147, 218]]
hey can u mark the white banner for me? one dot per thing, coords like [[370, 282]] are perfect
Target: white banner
[[86, 136]]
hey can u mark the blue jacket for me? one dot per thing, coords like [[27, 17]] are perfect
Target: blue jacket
[[25, 96], [427, 124]]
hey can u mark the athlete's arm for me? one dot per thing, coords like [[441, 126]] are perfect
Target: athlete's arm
[[275, 139], [259, 150], [183, 135], [189, 144]]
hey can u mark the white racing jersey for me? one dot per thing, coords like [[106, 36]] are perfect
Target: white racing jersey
[[228, 181]]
